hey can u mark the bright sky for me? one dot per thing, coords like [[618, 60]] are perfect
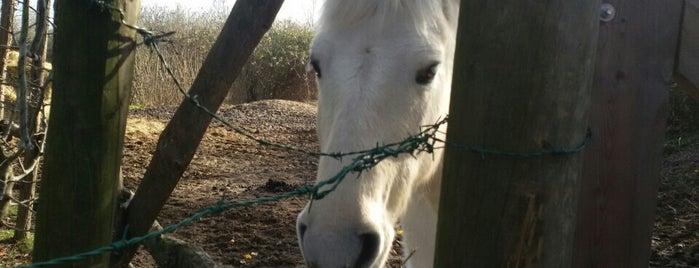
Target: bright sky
[[300, 10]]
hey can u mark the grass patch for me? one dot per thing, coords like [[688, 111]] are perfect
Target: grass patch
[[6, 234], [136, 106], [14, 253], [677, 141]]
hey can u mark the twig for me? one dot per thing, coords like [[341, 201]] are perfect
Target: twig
[[22, 203], [26, 172], [7, 225]]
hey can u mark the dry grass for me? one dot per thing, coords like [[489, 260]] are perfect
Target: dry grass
[[276, 69]]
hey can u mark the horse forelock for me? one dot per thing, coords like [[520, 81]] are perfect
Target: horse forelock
[[432, 14]]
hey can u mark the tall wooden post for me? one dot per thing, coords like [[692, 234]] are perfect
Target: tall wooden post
[[522, 79], [635, 58], [93, 65]]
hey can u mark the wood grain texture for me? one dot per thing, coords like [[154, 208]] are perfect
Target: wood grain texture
[[522, 81], [635, 57], [92, 81]]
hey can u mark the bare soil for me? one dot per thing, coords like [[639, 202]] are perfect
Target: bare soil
[[675, 241], [229, 166]]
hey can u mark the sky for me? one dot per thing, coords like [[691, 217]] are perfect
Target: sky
[[299, 10]]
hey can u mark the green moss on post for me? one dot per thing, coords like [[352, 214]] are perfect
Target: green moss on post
[[92, 82]]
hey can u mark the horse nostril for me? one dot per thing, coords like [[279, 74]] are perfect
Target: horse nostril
[[370, 249]]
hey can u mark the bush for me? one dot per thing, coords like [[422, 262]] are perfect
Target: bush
[[195, 33], [275, 70]]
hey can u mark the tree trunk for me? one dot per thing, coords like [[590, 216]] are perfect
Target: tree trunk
[[27, 187], [522, 81], [21, 102], [6, 19], [93, 65], [8, 185], [248, 22]]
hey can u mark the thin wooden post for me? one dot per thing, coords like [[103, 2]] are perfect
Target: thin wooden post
[[92, 81], [522, 80], [629, 105], [247, 23]]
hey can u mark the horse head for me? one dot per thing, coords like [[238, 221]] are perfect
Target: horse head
[[384, 70]]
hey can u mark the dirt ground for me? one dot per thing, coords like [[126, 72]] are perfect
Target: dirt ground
[[231, 167], [675, 239]]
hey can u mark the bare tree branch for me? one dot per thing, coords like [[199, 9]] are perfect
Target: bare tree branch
[[7, 225]]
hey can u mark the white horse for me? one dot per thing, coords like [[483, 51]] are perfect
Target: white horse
[[384, 70]]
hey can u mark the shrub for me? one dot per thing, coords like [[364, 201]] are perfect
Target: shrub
[[275, 70]]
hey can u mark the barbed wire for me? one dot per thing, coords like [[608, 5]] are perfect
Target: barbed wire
[[555, 151], [423, 142]]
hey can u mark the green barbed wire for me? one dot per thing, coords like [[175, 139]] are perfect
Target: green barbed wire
[[363, 160], [556, 151]]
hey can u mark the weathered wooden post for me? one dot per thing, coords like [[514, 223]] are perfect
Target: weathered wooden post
[[629, 102], [93, 71], [522, 79]]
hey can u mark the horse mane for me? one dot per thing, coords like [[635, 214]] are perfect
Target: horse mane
[[347, 13]]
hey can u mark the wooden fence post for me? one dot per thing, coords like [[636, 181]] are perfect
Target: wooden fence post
[[93, 72], [522, 79], [629, 104]]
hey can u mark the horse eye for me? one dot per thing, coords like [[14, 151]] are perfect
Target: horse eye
[[426, 75], [316, 67]]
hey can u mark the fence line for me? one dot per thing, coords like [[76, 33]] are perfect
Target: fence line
[[423, 142]]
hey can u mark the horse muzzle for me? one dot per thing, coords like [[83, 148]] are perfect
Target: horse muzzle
[[325, 246]]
